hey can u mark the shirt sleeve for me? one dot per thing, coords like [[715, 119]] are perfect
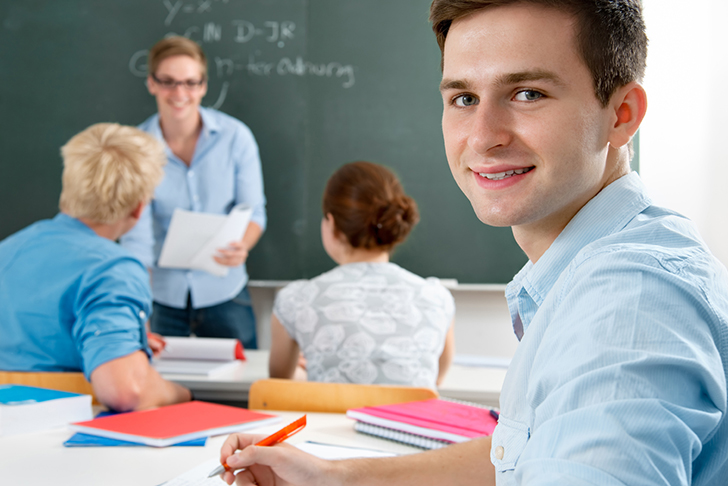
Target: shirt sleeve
[[140, 239], [249, 175], [626, 389], [112, 306]]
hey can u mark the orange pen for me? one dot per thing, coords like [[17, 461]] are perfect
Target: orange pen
[[272, 439]]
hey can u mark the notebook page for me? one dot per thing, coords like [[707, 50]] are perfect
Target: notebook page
[[198, 475]]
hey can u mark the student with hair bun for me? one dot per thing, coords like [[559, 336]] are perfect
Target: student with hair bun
[[368, 320]]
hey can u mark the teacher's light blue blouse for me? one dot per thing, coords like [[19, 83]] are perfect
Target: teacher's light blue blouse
[[225, 171], [620, 375]]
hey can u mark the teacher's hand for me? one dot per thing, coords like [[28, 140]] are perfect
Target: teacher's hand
[[233, 255]]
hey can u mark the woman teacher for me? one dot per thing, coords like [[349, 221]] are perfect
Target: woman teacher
[[213, 165]]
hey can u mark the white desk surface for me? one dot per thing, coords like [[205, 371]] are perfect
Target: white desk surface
[[474, 384], [39, 459]]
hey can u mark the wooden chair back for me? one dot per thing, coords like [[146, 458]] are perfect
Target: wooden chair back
[[73, 382], [310, 396]]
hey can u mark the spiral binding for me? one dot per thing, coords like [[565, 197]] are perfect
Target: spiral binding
[[399, 436]]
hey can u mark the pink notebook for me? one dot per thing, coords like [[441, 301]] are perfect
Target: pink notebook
[[435, 419], [163, 426]]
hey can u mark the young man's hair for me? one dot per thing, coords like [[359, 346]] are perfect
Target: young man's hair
[[610, 35], [176, 46], [108, 169]]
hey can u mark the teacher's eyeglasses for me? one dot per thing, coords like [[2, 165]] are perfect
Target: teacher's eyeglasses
[[170, 84]]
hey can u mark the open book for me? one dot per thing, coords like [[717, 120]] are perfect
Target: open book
[[193, 238], [198, 356]]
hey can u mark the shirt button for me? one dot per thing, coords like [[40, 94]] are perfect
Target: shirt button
[[499, 452], [191, 173], [142, 315]]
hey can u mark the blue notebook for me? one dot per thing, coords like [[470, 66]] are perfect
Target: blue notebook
[[16, 395], [25, 409], [86, 440]]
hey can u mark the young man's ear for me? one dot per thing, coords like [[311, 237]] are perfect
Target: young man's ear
[[630, 105], [136, 213]]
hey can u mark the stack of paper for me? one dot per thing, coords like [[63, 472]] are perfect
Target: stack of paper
[[429, 424], [29, 409]]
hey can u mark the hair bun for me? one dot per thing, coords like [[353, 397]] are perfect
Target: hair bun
[[395, 221], [369, 206]]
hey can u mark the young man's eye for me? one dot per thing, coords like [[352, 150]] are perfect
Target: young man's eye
[[465, 100], [528, 95]]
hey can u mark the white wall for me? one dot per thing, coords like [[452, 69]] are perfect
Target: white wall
[[683, 159]]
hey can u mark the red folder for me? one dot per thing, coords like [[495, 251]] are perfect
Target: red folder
[[435, 419], [163, 426]]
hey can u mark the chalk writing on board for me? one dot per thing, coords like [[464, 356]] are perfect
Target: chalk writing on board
[[285, 66], [247, 37], [179, 6], [273, 31]]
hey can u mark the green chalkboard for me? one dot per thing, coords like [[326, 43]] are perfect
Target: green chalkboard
[[319, 82]]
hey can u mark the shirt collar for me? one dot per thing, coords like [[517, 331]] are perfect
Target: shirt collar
[[210, 123], [71, 222], [210, 126], [607, 212]]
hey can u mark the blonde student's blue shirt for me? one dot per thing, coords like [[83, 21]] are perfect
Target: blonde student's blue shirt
[[70, 300], [225, 171], [620, 375]]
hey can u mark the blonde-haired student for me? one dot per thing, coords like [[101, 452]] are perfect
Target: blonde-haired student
[[368, 320], [72, 299]]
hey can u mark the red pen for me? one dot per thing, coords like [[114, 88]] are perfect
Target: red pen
[[272, 439]]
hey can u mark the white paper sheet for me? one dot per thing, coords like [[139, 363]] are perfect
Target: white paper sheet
[[198, 475], [194, 238], [193, 366], [209, 349]]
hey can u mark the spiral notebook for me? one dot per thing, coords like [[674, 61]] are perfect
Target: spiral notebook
[[428, 424]]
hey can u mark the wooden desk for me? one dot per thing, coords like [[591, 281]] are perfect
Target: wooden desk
[[480, 385], [39, 459]]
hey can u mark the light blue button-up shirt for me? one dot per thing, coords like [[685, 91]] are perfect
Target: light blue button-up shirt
[[620, 376], [225, 171], [70, 300]]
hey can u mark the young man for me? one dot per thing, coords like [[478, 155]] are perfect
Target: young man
[[72, 299], [213, 164], [622, 312]]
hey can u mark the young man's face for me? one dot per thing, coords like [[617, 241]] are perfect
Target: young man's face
[[525, 136]]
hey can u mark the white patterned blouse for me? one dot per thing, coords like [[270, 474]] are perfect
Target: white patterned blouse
[[368, 323]]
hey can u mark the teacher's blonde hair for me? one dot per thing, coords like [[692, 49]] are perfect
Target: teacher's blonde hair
[[108, 169]]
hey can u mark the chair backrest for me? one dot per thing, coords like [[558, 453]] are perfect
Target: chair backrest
[[73, 382], [311, 396]]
